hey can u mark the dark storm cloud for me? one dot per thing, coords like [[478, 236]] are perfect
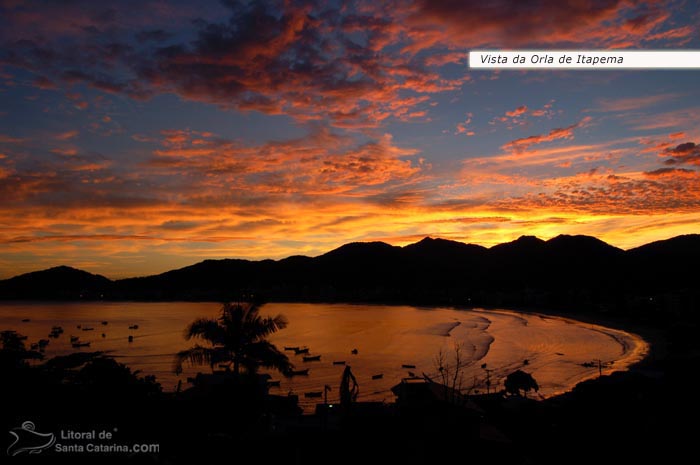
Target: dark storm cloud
[[687, 153]]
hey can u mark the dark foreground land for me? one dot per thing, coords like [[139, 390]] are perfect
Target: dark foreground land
[[632, 417]]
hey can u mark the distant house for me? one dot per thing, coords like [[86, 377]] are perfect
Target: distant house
[[434, 406], [419, 392]]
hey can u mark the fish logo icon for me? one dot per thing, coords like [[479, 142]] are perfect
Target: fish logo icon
[[29, 441]]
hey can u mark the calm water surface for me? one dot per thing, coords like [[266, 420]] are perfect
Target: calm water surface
[[386, 337]]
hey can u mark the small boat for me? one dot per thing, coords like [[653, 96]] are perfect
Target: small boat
[[312, 358], [380, 376], [78, 345], [339, 362], [273, 383], [74, 339], [305, 350], [292, 348], [104, 335], [26, 320], [303, 372], [87, 328], [588, 364], [526, 362], [405, 365], [131, 338], [353, 351], [56, 329], [411, 374], [134, 327], [313, 394], [79, 326], [105, 322]]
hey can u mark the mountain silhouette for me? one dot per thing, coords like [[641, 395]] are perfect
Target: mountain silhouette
[[565, 271], [667, 264], [442, 248], [60, 282], [520, 246]]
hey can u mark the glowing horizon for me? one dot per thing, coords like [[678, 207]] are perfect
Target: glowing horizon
[[139, 137]]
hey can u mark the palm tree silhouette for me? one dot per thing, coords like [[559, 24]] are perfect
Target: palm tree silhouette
[[237, 336]]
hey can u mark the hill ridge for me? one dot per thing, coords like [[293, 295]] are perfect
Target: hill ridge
[[521, 272]]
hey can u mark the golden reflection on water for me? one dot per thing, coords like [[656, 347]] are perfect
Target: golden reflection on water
[[386, 337]]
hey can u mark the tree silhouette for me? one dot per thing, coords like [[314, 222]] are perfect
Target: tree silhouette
[[520, 381], [451, 372], [237, 336], [13, 353]]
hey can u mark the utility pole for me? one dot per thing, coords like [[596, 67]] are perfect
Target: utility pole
[[602, 364], [488, 378]]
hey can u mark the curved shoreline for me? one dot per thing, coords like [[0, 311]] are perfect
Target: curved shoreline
[[635, 349]]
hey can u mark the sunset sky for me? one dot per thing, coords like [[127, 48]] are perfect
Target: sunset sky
[[147, 135]]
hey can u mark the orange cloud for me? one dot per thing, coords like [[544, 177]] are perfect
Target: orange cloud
[[67, 135], [672, 120], [442, 59], [567, 132], [345, 67], [184, 195], [687, 153], [319, 164], [518, 116], [634, 103], [603, 193], [673, 173], [683, 34], [512, 23], [5, 139], [463, 127], [69, 152], [517, 112]]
